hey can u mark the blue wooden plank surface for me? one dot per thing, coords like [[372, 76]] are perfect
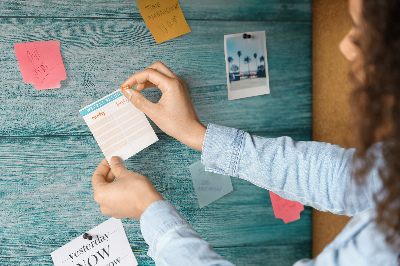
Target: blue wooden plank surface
[[262, 10], [47, 154], [46, 192], [100, 54]]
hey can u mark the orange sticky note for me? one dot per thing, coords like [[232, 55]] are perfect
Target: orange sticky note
[[41, 63], [287, 210], [164, 19]]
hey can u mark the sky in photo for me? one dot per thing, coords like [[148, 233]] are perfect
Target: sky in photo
[[248, 47]]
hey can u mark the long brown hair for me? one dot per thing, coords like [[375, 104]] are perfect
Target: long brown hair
[[375, 102]]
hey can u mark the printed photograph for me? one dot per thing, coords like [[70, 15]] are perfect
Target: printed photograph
[[246, 64]]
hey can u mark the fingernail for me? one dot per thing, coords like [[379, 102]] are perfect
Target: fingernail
[[129, 93], [115, 160]]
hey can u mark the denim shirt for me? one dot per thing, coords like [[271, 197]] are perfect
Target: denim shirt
[[312, 173]]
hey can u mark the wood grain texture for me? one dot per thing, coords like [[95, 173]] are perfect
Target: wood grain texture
[[252, 255], [262, 10], [100, 54], [47, 153], [46, 190], [238, 255]]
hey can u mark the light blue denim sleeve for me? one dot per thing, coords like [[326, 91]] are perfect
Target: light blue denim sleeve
[[312, 173], [359, 244], [172, 241]]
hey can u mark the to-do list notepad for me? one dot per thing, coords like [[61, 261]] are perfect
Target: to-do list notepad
[[118, 126]]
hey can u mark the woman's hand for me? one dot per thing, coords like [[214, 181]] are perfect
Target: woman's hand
[[128, 196], [173, 113]]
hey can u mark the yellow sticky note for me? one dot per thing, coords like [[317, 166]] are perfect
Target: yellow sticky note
[[164, 18]]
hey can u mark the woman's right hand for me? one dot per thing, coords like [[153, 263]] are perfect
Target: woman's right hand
[[173, 113]]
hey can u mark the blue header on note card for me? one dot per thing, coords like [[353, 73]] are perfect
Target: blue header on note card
[[100, 103]]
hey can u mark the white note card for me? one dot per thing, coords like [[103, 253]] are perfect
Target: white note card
[[209, 186], [108, 247], [118, 126]]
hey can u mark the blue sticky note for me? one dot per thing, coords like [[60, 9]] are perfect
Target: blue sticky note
[[209, 186]]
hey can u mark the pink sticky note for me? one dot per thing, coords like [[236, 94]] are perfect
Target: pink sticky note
[[284, 209], [41, 63]]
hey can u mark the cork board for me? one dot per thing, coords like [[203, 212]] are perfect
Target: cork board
[[331, 89]]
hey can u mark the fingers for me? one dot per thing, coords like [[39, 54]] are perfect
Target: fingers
[[100, 174], [110, 177], [140, 102], [160, 67], [143, 86], [118, 168], [159, 80]]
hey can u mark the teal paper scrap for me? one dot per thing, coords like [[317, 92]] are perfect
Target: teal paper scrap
[[209, 186]]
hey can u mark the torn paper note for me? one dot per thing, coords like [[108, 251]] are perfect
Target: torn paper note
[[108, 246], [41, 63], [164, 18], [209, 186], [118, 126], [288, 211]]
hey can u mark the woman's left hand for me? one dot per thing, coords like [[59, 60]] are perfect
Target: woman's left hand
[[127, 197]]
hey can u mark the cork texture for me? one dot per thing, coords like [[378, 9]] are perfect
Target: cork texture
[[331, 89]]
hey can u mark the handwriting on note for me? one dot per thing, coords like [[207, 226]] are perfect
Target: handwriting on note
[[287, 210], [118, 126], [41, 63], [164, 19], [209, 186]]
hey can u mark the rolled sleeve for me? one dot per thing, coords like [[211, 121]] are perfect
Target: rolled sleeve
[[315, 174], [221, 149]]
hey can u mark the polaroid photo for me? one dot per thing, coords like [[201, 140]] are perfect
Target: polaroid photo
[[246, 64]]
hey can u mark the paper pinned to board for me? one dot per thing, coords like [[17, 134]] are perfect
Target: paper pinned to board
[[287, 210], [246, 64], [108, 246], [41, 63], [209, 186], [164, 18], [118, 126]]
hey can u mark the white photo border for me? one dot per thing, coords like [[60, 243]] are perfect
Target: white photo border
[[247, 92]]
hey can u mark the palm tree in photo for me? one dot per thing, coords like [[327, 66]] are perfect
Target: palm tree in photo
[[230, 60], [262, 73], [255, 58], [247, 60], [239, 55], [262, 59], [234, 68]]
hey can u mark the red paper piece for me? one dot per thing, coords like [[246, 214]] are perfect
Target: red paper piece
[[41, 63], [288, 211]]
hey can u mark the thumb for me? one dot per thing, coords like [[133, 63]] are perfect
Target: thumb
[[138, 100], [117, 168]]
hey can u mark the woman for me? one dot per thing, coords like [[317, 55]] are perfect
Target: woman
[[316, 174]]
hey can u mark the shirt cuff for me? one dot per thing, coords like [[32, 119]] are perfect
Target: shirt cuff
[[158, 219], [221, 151]]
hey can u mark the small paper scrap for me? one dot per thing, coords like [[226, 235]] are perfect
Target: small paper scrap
[[164, 18], [41, 63], [209, 186], [108, 246], [288, 211], [118, 126]]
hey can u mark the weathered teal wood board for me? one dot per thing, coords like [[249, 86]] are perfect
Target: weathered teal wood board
[[47, 154], [109, 51], [261, 10]]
